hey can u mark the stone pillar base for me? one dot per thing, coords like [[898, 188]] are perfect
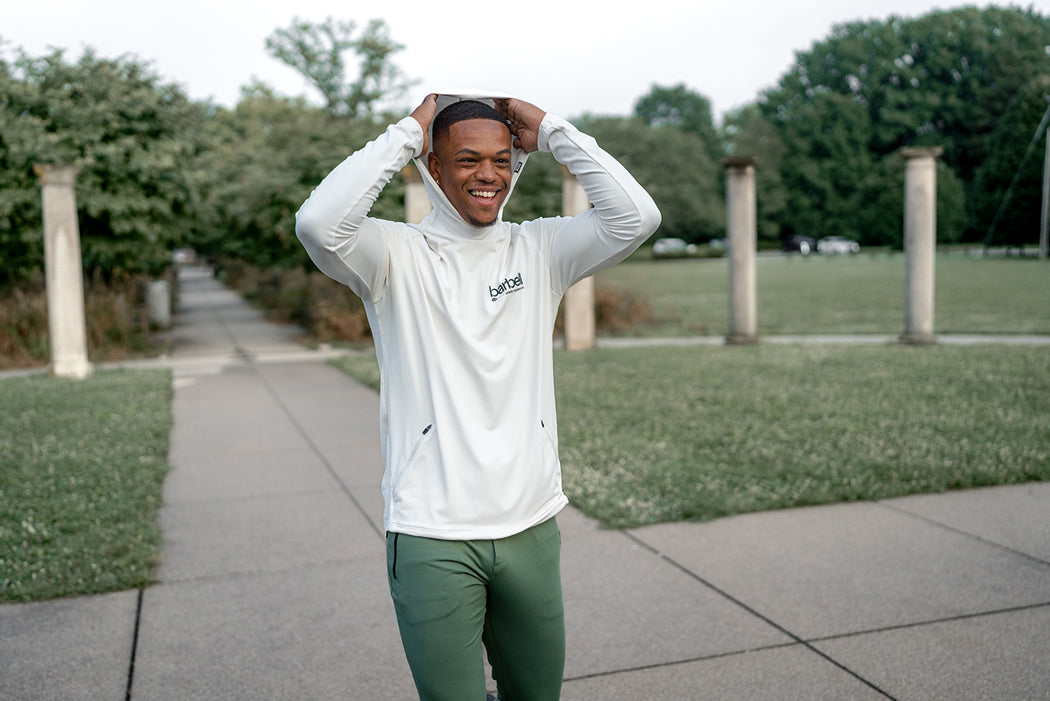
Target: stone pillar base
[[75, 369], [741, 339], [918, 339]]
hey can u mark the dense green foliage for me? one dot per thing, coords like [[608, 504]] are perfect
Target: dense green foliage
[[317, 51], [945, 79], [675, 166], [133, 139], [82, 463], [160, 171]]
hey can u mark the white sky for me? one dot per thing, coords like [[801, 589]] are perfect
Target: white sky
[[569, 57]]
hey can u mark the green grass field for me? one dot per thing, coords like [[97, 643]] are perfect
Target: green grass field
[[672, 433], [82, 464], [840, 294]]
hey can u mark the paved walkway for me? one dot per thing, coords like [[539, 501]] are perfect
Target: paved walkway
[[272, 582]]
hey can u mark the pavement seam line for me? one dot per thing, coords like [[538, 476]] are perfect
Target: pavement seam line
[[317, 451], [967, 534], [134, 645], [755, 613], [930, 622], [675, 663], [249, 361]]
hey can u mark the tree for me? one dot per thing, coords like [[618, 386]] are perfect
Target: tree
[[679, 107], [749, 133], [264, 158], [317, 51], [829, 159], [131, 137], [942, 79], [1008, 185], [674, 166]]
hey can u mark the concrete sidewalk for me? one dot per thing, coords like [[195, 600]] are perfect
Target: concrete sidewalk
[[272, 583]]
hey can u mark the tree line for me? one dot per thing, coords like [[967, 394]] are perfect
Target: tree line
[[159, 171]]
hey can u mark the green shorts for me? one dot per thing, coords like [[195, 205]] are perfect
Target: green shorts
[[452, 597]]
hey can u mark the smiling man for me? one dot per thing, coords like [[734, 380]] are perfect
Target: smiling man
[[462, 309], [471, 160]]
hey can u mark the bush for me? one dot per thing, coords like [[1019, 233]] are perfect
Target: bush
[[326, 309], [115, 313]]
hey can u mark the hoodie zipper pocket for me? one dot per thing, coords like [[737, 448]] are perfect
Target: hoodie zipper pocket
[[550, 439], [406, 464]]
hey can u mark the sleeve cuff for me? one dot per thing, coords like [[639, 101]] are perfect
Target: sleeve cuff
[[550, 124], [415, 132]]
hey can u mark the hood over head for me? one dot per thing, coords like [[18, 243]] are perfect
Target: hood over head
[[518, 156]]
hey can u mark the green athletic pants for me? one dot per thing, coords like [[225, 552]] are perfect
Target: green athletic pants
[[452, 597]]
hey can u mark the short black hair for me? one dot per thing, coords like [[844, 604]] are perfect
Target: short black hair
[[462, 111]]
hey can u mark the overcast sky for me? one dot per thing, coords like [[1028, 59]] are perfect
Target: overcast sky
[[569, 56]]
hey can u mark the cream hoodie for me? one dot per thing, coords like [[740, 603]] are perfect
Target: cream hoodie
[[462, 318]]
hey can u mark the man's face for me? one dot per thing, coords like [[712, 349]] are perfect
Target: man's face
[[473, 168]]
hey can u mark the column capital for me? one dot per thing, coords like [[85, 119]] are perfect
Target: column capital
[[56, 173], [911, 152], [739, 162]]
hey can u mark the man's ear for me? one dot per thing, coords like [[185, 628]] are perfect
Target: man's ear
[[434, 166]]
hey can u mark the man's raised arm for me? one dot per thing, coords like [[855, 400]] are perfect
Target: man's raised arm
[[332, 224]]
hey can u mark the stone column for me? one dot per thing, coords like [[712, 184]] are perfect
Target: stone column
[[1044, 214], [920, 242], [580, 323], [741, 225], [67, 328], [158, 303], [417, 204]]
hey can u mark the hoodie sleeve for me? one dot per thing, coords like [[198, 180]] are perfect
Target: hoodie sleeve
[[623, 216], [333, 225]]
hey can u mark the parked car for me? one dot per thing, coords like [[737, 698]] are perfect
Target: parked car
[[831, 245], [672, 248], [798, 243]]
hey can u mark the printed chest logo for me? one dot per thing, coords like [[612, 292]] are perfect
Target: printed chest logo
[[509, 285]]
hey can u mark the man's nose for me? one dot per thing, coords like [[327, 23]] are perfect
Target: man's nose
[[486, 171]]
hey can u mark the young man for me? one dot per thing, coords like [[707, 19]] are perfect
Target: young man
[[462, 309]]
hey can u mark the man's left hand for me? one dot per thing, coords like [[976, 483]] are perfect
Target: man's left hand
[[524, 122]]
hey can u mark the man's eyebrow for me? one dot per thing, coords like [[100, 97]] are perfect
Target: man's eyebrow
[[472, 152]]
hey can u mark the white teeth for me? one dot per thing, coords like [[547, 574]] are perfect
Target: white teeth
[[483, 193]]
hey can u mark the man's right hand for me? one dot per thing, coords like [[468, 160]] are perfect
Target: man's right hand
[[424, 114]]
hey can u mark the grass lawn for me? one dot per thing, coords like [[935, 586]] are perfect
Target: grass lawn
[[840, 294], [82, 464], [649, 435]]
